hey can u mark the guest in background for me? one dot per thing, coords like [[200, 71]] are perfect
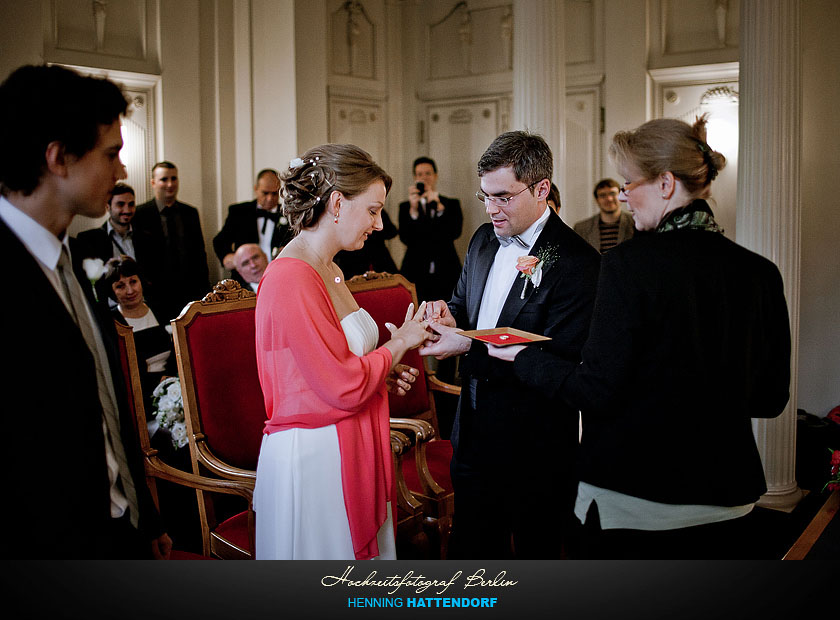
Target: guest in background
[[689, 341], [325, 474], [259, 221], [610, 226], [116, 236], [250, 262], [155, 353], [429, 224], [374, 255], [177, 265]]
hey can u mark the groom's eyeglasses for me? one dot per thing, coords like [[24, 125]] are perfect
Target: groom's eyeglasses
[[501, 201]]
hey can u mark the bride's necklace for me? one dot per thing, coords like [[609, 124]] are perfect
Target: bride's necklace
[[326, 268]]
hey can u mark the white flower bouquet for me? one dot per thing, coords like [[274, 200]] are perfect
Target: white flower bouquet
[[169, 410]]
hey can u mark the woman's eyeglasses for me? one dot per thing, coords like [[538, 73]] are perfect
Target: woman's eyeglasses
[[625, 189]]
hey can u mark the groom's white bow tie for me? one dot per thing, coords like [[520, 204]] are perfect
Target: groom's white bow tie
[[506, 241]]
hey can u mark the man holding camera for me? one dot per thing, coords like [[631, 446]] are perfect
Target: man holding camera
[[429, 224]]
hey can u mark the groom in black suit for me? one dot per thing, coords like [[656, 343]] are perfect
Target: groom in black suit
[[259, 221], [513, 467], [80, 491]]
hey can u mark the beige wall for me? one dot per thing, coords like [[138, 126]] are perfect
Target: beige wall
[[819, 319]]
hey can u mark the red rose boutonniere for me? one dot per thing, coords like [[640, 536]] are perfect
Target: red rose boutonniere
[[532, 267]]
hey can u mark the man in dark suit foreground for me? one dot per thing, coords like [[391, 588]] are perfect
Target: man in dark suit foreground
[[78, 489], [513, 467], [259, 221], [177, 270]]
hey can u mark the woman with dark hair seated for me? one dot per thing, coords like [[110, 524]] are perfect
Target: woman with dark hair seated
[[155, 352]]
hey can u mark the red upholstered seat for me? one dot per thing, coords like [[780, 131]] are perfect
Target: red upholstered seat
[[234, 530]]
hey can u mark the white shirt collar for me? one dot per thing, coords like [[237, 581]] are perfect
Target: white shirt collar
[[110, 228], [40, 242], [533, 231]]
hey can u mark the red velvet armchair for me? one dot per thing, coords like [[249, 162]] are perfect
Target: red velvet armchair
[[224, 409], [154, 467]]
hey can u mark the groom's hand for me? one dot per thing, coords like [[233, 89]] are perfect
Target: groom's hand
[[449, 342], [438, 312]]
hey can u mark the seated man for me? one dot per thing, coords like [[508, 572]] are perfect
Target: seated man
[[250, 262]]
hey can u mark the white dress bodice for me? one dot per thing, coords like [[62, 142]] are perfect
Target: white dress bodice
[[361, 332]]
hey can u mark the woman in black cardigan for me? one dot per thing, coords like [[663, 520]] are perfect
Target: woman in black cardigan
[[689, 340]]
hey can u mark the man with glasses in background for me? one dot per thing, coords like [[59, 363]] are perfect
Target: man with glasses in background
[[513, 466], [610, 226]]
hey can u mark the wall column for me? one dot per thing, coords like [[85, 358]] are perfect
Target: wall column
[[769, 207], [539, 75]]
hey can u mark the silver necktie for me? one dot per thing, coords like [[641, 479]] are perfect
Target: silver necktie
[[506, 241]]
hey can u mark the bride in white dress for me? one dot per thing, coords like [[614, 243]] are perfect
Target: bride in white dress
[[325, 475]]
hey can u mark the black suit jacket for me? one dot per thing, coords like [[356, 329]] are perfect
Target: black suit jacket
[[178, 273], [431, 239], [514, 431], [95, 243], [241, 227], [57, 503], [689, 340]]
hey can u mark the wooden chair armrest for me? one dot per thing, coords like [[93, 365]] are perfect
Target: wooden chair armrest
[[422, 432], [400, 445], [157, 468], [219, 467], [436, 385]]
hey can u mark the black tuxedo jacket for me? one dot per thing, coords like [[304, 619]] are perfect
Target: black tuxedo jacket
[[57, 502], [431, 239], [241, 227], [177, 274], [514, 431]]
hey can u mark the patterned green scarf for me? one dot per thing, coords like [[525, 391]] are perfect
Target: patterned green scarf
[[695, 216]]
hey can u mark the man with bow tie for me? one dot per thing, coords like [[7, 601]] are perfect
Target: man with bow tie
[[259, 221], [514, 450]]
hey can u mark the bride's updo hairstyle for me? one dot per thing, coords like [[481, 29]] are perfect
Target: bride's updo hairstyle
[[312, 178], [668, 144]]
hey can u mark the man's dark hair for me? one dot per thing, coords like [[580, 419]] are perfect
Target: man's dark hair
[[605, 183], [424, 160], [528, 154], [31, 118], [122, 188], [164, 164]]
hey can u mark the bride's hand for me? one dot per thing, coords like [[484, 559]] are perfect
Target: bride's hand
[[413, 331]]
